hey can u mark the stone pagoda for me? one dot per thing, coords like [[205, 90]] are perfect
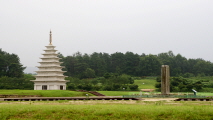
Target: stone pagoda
[[50, 75]]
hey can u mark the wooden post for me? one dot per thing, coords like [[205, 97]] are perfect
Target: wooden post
[[165, 80]]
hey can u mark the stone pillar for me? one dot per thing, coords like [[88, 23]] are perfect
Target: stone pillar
[[165, 80]]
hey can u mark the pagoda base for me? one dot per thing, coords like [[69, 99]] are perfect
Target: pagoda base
[[50, 85]]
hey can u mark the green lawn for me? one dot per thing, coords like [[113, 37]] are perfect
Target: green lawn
[[146, 83], [204, 94], [106, 110], [44, 93], [118, 93]]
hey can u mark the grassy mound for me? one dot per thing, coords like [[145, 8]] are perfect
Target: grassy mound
[[146, 83], [44, 93]]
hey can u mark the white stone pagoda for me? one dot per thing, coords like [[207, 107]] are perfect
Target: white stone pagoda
[[50, 75]]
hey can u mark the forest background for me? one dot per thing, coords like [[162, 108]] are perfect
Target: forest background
[[117, 71]]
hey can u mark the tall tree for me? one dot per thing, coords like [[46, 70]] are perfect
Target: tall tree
[[149, 65], [117, 62], [10, 65], [98, 64], [131, 63]]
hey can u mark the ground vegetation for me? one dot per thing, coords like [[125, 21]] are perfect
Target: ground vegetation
[[105, 110]]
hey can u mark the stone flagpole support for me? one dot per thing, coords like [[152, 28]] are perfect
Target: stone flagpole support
[[165, 80]]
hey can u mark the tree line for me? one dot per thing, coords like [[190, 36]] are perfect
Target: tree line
[[103, 71], [11, 73], [97, 64]]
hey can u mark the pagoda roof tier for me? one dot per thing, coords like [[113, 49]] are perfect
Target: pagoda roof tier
[[50, 80], [50, 58], [45, 77], [50, 50], [50, 71], [55, 66], [50, 62], [49, 54], [60, 74], [50, 46], [49, 66], [50, 75], [53, 72]]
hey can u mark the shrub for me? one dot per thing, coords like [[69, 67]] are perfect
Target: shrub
[[133, 87], [107, 87], [71, 86]]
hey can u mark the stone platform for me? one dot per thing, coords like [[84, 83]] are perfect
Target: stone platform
[[64, 98]]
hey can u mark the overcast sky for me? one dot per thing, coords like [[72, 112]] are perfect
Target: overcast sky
[[87, 26]]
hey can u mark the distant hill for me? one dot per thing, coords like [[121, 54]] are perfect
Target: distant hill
[[30, 70]]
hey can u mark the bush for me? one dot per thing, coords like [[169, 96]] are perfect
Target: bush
[[116, 87], [87, 87], [97, 88], [107, 88], [71, 86], [133, 87], [158, 85], [80, 86], [188, 75], [158, 79], [16, 83]]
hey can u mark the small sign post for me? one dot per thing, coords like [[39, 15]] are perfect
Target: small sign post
[[194, 92]]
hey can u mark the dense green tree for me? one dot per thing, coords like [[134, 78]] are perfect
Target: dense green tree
[[98, 64], [131, 63], [70, 62], [89, 73], [198, 85], [117, 62], [149, 65], [107, 75], [203, 67], [166, 58], [180, 65], [107, 60], [10, 65]]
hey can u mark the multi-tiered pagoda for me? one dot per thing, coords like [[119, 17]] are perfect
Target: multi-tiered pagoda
[[50, 75]]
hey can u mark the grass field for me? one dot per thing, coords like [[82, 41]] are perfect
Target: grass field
[[204, 94], [146, 83], [44, 93], [106, 110], [118, 93], [66, 93]]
